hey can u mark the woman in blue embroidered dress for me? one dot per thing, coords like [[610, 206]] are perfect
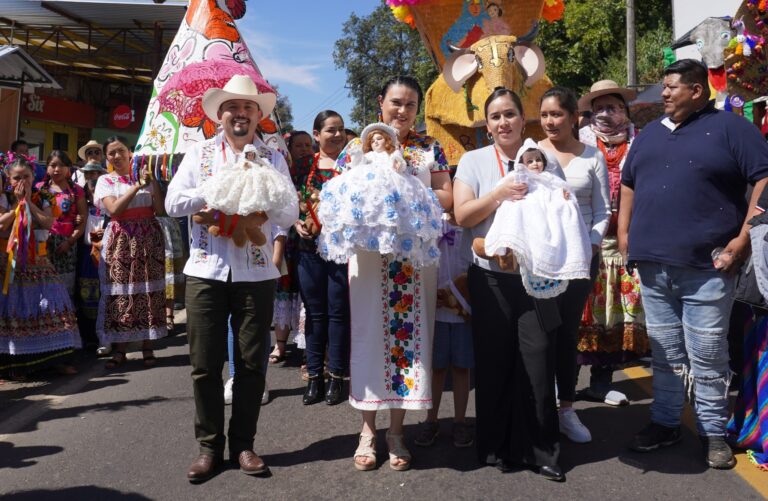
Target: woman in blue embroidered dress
[[391, 352], [132, 267], [37, 319]]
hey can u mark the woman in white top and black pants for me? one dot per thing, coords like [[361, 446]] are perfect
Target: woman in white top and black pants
[[587, 176], [513, 333]]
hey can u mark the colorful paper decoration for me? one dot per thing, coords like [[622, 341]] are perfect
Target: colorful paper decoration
[[206, 52]]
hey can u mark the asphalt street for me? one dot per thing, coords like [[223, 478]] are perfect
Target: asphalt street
[[127, 434]]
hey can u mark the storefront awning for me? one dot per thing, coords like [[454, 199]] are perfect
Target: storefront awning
[[17, 69]]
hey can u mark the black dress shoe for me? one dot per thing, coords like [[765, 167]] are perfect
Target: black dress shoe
[[334, 394], [552, 473], [315, 390]]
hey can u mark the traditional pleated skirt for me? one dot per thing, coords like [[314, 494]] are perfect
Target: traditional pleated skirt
[[174, 257], [392, 307], [132, 276], [38, 326], [612, 327], [65, 263]]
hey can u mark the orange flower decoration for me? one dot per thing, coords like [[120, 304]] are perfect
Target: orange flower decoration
[[553, 10]]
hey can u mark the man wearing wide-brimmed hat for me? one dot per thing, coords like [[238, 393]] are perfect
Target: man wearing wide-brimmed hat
[[615, 330], [224, 280], [90, 152]]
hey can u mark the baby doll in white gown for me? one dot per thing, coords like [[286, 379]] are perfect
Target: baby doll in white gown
[[544, 230], [241, 190], [379, 205]]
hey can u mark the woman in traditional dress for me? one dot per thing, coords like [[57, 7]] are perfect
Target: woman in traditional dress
[[587, 177], [392, 303], [88, 289], [71, 212], [323, 284], [287, 315], [38, 327], [174, 265], [613, 325], [132, 267], [514, 334]]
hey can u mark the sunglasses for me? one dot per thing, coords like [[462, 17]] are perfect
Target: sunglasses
[[92, 152]]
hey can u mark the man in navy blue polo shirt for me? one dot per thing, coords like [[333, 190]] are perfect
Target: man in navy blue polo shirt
[[683, 220]]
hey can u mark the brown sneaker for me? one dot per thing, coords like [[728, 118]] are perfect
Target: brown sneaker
[[462, 435], [251, 464], [203, 468]]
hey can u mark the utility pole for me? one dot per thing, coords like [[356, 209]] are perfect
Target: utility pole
[[631, 45]]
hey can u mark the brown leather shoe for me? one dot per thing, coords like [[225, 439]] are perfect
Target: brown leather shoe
[[251, 464], [203, 468]]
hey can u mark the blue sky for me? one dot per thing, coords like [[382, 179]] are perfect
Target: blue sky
[[292, 42]]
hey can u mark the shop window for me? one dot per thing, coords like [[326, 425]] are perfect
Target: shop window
[[60, 141]]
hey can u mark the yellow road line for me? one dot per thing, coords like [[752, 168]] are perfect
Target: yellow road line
[[755, 477]]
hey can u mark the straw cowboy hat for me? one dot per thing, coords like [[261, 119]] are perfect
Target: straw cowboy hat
[[238, 87], [87, 146], [602, 88]]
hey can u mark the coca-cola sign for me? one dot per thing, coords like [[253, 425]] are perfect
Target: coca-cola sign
[[122, 116]]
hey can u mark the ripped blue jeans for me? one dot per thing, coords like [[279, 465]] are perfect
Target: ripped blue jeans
[[687, 312]]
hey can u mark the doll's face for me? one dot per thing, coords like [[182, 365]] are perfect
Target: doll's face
[[251, 155], [378, 142], [533, 161]]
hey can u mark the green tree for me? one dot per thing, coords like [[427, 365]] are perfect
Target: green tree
[[284, 111], [373, 49], [589, 43]]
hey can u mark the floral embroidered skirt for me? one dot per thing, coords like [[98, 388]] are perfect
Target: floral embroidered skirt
[[613, 325], [38, 326], [64, 263], [132, 275], [392, 307], [174, 258]]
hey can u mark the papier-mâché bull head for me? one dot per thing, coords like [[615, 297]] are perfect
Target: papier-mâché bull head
[[454, 113], [503, 61]]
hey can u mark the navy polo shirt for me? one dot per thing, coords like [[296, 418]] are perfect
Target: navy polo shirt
[[690, 186]]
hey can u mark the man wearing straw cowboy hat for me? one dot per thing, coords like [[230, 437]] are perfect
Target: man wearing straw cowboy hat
[[90, 152], [224, 280]]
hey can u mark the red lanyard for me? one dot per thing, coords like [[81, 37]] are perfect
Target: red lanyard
[[501, 164]]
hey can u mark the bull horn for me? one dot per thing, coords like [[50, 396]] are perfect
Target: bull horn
[[528, 37]]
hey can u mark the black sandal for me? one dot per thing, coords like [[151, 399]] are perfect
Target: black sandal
[[149, 358], [118, 359]]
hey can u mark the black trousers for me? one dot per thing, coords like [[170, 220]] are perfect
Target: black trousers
[[514, 341], [209, 306], [571, 305]]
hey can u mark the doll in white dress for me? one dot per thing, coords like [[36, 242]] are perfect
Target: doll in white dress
[[379, 205], [239, 192], [544, 230]]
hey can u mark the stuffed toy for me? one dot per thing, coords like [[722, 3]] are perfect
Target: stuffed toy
[[240, 195], [455, 297]]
